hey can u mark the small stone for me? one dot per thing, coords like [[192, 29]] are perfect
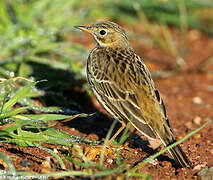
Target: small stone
[[188, 125], [197, 157], [197, 136], [197, 100], [199, 167], [110, 161], [154, 162], [155, 143], [197, 120]]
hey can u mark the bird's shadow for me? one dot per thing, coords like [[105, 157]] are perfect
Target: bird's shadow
[[63, 88], [145, 146]]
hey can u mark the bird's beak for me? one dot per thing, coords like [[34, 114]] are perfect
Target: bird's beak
[[84, 28]]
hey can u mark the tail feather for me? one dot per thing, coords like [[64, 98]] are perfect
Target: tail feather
[[180, 157], [176, 152]]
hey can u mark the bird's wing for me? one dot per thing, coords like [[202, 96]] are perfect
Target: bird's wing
[[153, 87], [125, 90]]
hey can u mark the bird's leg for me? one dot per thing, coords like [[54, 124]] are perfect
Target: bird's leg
[[116, 134], [130, 138]]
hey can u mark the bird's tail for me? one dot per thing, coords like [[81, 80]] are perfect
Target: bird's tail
[[180, 157], [176, 152]]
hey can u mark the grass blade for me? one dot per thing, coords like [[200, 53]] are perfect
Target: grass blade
[[105, 143], [20, 94], [12, 169], [12, 112]]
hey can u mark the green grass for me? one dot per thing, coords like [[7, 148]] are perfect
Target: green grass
[[39, 63]]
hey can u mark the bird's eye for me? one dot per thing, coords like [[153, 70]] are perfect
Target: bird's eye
[[102, 32]]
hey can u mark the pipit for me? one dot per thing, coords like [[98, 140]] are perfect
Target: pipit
[[123, 85]]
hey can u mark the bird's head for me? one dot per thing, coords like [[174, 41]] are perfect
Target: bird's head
[[107, 34]]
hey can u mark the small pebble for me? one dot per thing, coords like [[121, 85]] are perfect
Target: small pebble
[[197, 100], [154, 162], [199, 166], [110, 161], [197, 157], [197, 120], [197, 136], [188, 124]]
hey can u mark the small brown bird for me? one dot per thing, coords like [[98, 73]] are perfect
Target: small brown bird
[[123, 85]]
